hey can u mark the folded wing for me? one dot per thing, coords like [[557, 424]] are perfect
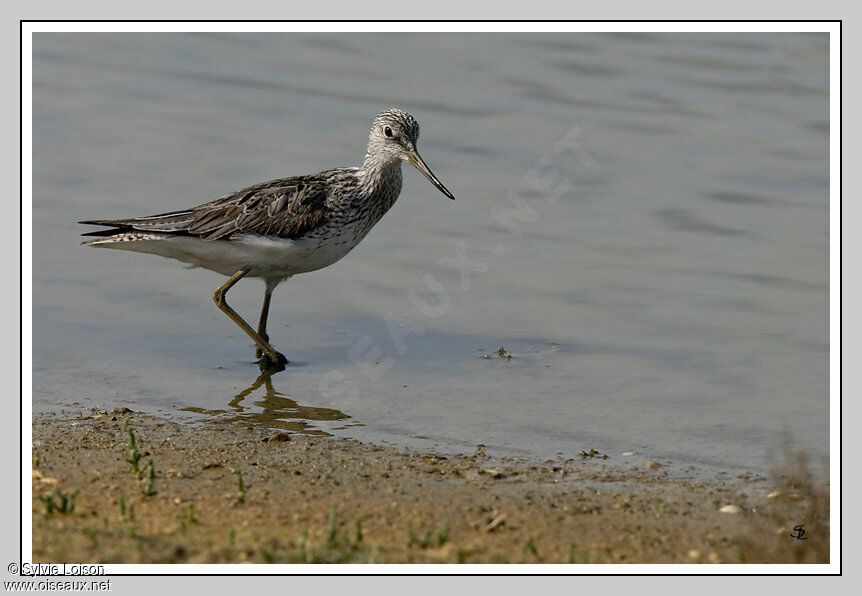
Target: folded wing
[[285, 208]]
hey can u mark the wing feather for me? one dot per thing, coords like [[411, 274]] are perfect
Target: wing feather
[[285, 208]]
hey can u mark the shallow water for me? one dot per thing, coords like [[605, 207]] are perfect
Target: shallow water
[[641, 222]]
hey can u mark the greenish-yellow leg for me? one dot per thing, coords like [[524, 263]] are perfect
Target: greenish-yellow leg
[[264, 314], [262, 344]]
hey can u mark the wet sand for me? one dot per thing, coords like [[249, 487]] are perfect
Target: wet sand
[[325, 500]]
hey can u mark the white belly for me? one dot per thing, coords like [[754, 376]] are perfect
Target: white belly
[[268, 257]]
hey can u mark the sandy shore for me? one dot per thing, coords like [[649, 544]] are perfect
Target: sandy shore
[[312, 499]]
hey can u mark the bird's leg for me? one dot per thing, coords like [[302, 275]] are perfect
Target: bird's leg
[[218, 296], [264, 313]]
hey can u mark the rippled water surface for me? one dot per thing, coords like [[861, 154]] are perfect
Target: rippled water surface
[[641, 222]]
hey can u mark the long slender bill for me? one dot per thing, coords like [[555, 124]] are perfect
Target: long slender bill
[[416, 161]]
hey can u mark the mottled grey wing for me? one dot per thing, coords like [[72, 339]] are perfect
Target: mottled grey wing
[[283, 210], [287, 208], [174, 222]]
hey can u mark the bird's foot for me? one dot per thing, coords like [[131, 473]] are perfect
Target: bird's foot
[[272, 362]]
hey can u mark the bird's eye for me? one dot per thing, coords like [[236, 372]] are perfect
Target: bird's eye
[[387, 131]]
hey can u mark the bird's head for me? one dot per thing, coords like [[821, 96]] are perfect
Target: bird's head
[[393, 138]]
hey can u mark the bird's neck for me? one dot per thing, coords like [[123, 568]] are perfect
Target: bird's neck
[[380, 176]]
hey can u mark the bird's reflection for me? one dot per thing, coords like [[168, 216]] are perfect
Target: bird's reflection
[[273, 410]]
